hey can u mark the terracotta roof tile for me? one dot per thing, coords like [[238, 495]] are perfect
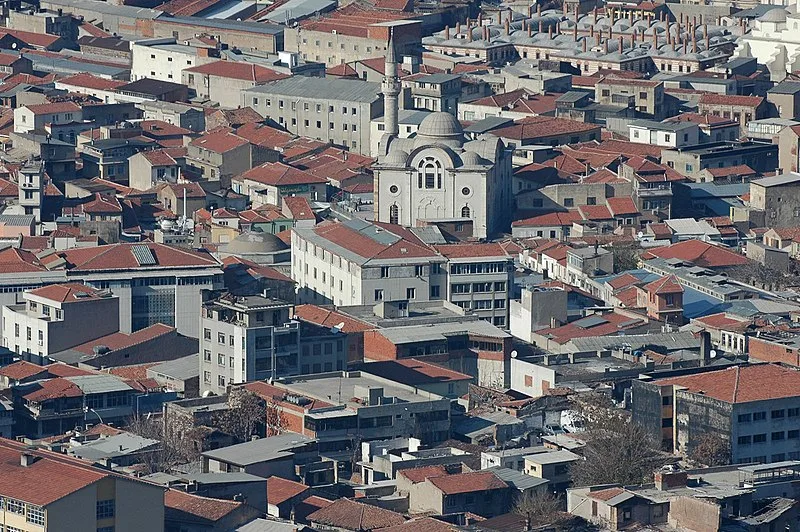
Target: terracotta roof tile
[[669, 284], [328, 318], [700, 253], [608, 324], [88, 81], [299, 208], [238, 70], [367, 248], [468, 482], [121, 257], [414, 372], [219, 142], [182, 506], [120, 340], [280, 490], [466, 251], [53, 108], [759, 382], [279, 174], [550, 219], [424, 524], [622, 206], [606, 494], [542, 127], [595, 212], [21, 370], [420, 474], [352, 515], [730, 99], [51, 389], [66, 292]]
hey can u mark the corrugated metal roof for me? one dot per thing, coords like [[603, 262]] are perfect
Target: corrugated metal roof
[[90, 384]]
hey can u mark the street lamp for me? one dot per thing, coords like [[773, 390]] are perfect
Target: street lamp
[[87, 409]]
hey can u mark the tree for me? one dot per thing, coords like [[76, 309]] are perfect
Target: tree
[[172, 451], [626, 257], [275, 419], [617, 451], [711, 450], [539, 508], [245, 413]]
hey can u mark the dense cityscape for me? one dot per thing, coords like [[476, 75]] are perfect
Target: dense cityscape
[[399, 266]]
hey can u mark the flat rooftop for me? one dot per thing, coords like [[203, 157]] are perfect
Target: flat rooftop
[[340, 388]]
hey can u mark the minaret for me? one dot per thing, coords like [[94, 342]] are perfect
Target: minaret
[[391, 89]]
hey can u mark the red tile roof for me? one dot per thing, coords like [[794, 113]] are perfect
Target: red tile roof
[[237, 70], [423, 524], [328, 318], [420, 474], [21, 370], [623, 281], [622, 206], [42, 40], [353, 20], [414, 372], [468, 251], [542, 127], [120, 340], [268, 391], [606, 494], [520, 101], [51, 389], [279, 174], [299, 208], [51, 476], [595, 212], [740, 170], [608, 324], [550, 219], [352, 515], [760, 382], [280, 490], [102, 204], [65, 292], [120, 257], [341, 70], [468, 482], [723, 322], [669, 284], [54, 108], [730, 99], [88, 81], [264, 135], [368, 248], [182, 506], [59, 369], [700, 253], [219, 142], [159, 158], [137, 372]]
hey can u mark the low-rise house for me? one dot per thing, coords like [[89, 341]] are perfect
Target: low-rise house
[[205, 513], [481, 492], [667, 134], [691, 160], [741, 109], [220, 155], [34, 117], [283, 495], [263, 457], [553, 466], [109, 158], [347, 515], [269, 183]]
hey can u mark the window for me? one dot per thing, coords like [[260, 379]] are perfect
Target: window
[[434, 290], [221, 338], [794, 412], [429, 173], [569, 202], [759, 438], [411, 293], [744, 440], [207, 355], [379, 295], [394, 214], [384, 272], [759, 416], [220, 359], [793, 434], [744, 418], [207, 334], [105, 509], [15, 506], [591, 200], [465, 212], [779, 435], [419, 270], [221, 381], [106, 529], [778, 414]]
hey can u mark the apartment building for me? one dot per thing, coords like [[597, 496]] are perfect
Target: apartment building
[[646, 96], [246, 338], [220, 155], [777, 196], [34, 117], [223, 81], [359, 263], [692, 160], [51, 492], [57, 317], [755, 409], [478, 278], [330, 110], [165, 59], [741, 109]]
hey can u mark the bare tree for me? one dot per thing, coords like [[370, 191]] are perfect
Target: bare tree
[[275, 419], [171, 451], [711, 450], [245, 413], [617, 451], [626, 256], [539, 508]]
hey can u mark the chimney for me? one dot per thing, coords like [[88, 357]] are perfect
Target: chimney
[[591, 31], [458, 28], [530, 30], [605, 46], [487, 33], [575, 33], [27, 459], [507, 27], [611, 32], [666, 480], [550, 31], [681, 20], [661, 17], [584, 44], [708, 37], [469, 33], [539, 9], [595, 15], [700, 18], [655, 39], [541, 27], [499, 18], [530, 11], [597, 39], [694, 42], [620, 44], [447, 33], [705, 348]]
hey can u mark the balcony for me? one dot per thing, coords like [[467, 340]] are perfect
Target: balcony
[[652, 192]]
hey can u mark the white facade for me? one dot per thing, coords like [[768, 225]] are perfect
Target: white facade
[[668, 135], [161, 59], [774, 40], [25, 120]]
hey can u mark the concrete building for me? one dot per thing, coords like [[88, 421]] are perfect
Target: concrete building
[[223, 81], [666, 134], [34, 117], [178, 114], [773, 41], [52, 492], [788, 145], [164, 59], [691, 160], [646, 96], [248, 338], [537, 308], [785, 97], [57, 317], [480, 492], [777, 197], [741, 109], [436, 92], [553, 466], [357, 263], [754, 409], [326, 109]]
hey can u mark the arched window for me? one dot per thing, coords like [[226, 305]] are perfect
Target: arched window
[[394, 214], [465, 211], [429, 173]]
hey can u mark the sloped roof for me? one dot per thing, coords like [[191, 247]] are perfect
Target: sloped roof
[[700, 253], [238, 70], [742, 384], [352, 515]]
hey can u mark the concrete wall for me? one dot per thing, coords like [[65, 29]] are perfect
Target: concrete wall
[[694, 514]]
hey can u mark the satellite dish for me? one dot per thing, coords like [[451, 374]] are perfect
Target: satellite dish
[[639, 234], [713, 353], [13, 46], [514, 353]]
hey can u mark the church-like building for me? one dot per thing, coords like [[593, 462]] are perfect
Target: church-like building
[[438, 175]]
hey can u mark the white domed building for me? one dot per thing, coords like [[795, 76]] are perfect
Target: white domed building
[[439, 175]]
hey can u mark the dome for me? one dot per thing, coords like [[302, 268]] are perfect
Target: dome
[[774, 15], [470, 158], [395, 158], [440, 125], [250, 242]]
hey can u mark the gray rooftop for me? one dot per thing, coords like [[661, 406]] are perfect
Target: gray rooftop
[[297, 9], [786, 87], [17, 220], [79, 7], [555, 457], [437, 78], [112, 446], [224, 24], [573, 96], [178, 369], [343, 90], [784, 179], [260, 450], [674, 341], [516, 479], [90, 384], [71, 66], [487, 124], [664, 126], [440, 331]]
